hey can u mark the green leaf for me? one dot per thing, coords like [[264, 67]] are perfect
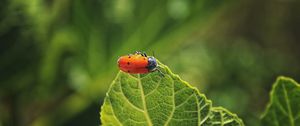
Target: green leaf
[[155, 99], [221, 117], [284, 107]]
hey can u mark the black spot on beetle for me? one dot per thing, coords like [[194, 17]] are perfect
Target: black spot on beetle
[[128, 71], [128, 63]]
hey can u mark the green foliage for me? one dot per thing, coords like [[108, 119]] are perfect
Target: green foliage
[[155, 99], [284, 107], [58, 57]]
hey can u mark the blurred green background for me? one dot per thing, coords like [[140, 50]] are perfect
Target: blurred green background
[[58, 57]]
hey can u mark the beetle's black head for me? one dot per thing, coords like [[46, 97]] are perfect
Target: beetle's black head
[[152, 64]]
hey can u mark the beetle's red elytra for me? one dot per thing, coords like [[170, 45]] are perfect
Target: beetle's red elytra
[[137, 63]]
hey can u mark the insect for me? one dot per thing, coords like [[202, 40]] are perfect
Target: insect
[[137, 63]]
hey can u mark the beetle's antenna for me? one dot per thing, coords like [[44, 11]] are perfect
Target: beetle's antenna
[[153, 53]]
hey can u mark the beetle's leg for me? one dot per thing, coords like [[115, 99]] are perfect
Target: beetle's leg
[[145, 54], [153, 53], [161, 73], [138, 52], [158, 69], [129, 55]]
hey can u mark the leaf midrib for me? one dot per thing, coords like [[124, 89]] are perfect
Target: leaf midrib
[[288, 106], [144, 101]]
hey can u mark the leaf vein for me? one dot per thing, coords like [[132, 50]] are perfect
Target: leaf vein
[[287, 100], [144, 102], [187, 99], [173, 106], [154, 89], [113, 112], [129, 102]]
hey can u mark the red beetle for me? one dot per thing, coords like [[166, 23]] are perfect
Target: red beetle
[[137, 63]]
